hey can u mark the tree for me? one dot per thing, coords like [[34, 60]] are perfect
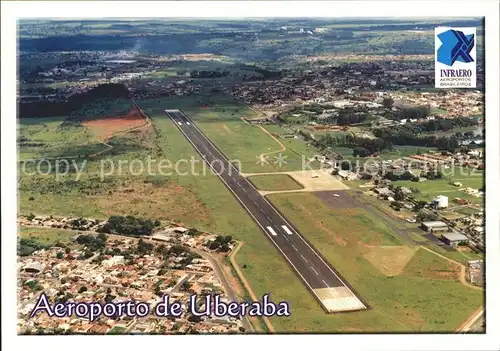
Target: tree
[[361, 152], [144, 247], [158, 291], [345, 166], [186, 285], [59, 255], [425, 216], [419, 205], [398, 194], [388, 102], [103, 237], [396, 205], [82, 289]]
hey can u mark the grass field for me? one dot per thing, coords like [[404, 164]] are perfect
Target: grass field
[[432, 188], [49, 137], [296, 145], [47, 236], [244, 143], [403, 151], [425, 264], [274, 182], [398, 303]]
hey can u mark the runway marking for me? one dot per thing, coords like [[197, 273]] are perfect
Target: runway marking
[[303, 257], [244, 190], [188, 123], [180, 123], [269, 218], [271, 230], [324, 282], [292, 245], [315, 271], [285, 228]]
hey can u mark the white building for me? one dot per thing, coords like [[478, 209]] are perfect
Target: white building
[[441, 201], [113, 261]]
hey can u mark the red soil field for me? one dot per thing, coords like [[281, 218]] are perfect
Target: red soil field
[[108, 126]]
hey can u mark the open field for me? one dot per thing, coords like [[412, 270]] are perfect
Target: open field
[[244, 143], [295, 145], [106, 127], [390, 260], [51, 137], [398, 303], [274, 182], [404, 151], [311, 180], [425, 264], [84, 135], [46, 236], [432, 188]]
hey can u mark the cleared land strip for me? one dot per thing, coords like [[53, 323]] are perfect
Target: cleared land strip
[[307, 263]]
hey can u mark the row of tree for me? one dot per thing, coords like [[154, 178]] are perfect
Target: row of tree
[[407, 175], [208, 74], [412, 112], [74, 102], [445, 124], [402, 136], [351, 118], [129, 225], [362, 147]]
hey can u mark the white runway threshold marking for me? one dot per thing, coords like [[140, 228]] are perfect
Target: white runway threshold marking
[[285, 228], [188, 123], [271, 230], [339, 299], [179, 123]]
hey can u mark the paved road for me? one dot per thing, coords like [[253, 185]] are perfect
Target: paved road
[[227, 286], [307, 263]]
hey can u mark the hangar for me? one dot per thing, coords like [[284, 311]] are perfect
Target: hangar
[[435, 226]]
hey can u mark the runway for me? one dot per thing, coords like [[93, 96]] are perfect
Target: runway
[[320, 278]]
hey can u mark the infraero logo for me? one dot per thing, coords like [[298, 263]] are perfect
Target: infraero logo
[[455, 61], [456, 47]]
